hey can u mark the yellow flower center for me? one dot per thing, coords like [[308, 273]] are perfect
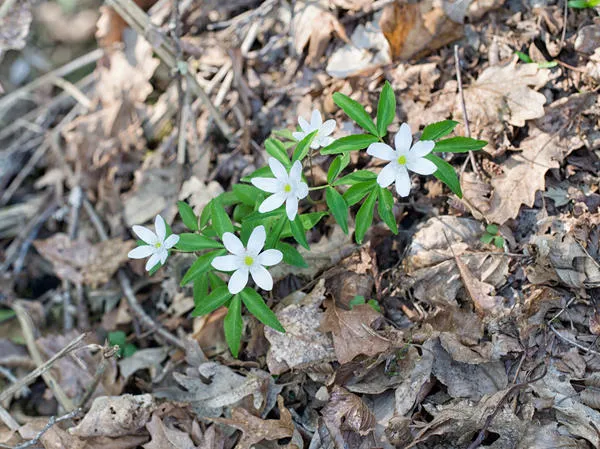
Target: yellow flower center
[[287, 188], [402, 160], [157, 245], [248, 260]]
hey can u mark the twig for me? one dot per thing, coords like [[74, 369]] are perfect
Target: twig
[[144, 318], [564, 30], [571, 342], [164, 47], [107, 353], [42, 369], [464, 108], [8, 419], [75, 64], [5, 7], [11, 377], [53, 420]]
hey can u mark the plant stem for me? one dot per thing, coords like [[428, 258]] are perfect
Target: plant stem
[[319, 187]]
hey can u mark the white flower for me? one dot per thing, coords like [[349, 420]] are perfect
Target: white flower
[[156, 246], [288, 188], [403, 158], [316, 122], [248, 260]]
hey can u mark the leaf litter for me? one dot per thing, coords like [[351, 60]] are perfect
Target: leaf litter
[[431, 338]]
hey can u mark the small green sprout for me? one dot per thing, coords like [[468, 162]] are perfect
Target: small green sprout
[[582, 4], [359, 299], [118, 338], [491, 235]]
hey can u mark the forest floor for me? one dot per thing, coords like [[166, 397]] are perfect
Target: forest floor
[[484, 316]]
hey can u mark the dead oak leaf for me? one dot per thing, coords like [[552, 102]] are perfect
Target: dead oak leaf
[[352, 332], [165, 437], [81, 262], [255, 430], [14, 26], [347, 411]]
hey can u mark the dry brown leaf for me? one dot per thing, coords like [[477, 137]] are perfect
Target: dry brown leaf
[[314, 25], [353, 5], [303, 344], [352, 332], [53, 16], [81, 262], [545, 148], [419, 28], [14, 26], [165, 437], [255, 430], [346, 411], [113, 416]]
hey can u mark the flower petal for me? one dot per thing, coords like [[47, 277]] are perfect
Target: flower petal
[[296, 171], [171, 241], [141, 252], [154, 259], [270, 257], [270, 185], [262, 277], [299, 135], [421, 166], [145, 234], [315, 119], [278, 169], [421, 148], [327, 127], [291, 207], [163, 254], [387, 175], [326, 141], [301, 190], [256, 242], [227, 263], [304, 125], [403, 139], [403, 183], [160, 227], [316, 143], [272, 202], [238, 281], [233, 244], [381, 151]]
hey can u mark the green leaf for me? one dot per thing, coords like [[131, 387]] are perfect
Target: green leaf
[[291, 256], [200, 266], [386, 109], [187, 215], [298, 231], [358, 299], [205, 214], [355, 178], [7, 314], [354, 142], [337, 165], [446, 174], [241, 211], [262, 172], [499, 242], [200, 288], [458, 144], [364, 217], [276, 149], [284, 134], [117, 338], [358, 191], [303, 147], [189, 242], [257, 307], [547, 64], [374, 305], [356, 112], [309, 221], [233, 325], [215, 281], [523, 57], [207, 304], [385, 207], [338, 207], [220, 220], [487, 238], [581, 4], [274, 233], [128, 350], [438, 130], [492, 229], [247, 194]]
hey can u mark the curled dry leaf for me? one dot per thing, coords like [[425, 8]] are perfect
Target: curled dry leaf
[[352, 332], [347, 411], [313, 26], [303, 344], [14, 27], [255, 430], [114, 416], [80, 262], [166, 437]]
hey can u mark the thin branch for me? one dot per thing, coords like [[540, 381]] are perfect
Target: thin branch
[[464, 107], [571, 342], [53, 420]]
